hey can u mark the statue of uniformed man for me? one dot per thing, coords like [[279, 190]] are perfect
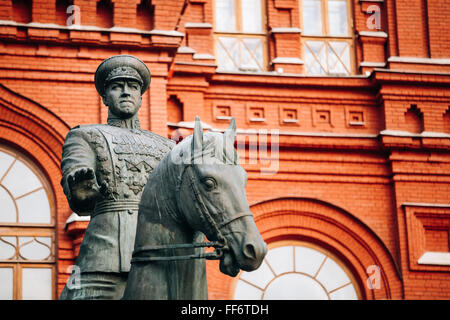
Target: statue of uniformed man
[[105, 168]]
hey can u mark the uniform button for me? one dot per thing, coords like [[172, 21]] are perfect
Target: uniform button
[[130, 211]]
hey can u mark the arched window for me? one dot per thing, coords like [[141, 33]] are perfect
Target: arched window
[[327, 37], [240, 35], [298, 271], [27, 238]]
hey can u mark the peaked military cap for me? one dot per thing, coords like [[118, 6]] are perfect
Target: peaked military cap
[[122, 66]]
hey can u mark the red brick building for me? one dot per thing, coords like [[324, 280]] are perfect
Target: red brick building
[[343, 114]]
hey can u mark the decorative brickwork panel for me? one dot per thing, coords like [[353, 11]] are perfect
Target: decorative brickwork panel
[[428, 228]]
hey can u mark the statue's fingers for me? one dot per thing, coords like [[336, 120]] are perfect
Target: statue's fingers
[[77, 175], [89, 173]]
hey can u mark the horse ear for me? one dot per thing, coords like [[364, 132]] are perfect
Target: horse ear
[[230, 133], [197, 138]]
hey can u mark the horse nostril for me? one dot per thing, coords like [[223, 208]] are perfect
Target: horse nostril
[[249, 251]]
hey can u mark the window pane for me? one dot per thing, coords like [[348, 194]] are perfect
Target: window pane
[[260, 277], [228, 53], [5, 162], [245, 291], [38, 248], [7, 248], [36, 283], [337, 15], [332, 276], [20, 179], [293, 286], [251, 16], [345, 293], [6, 281], [34, 208], [339, 57], [315, 57], [225, 15], [308, 260], [281, 259], [252, 54], [312, 17], [8, 211]]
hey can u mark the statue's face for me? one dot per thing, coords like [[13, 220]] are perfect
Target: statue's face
[[123, 97]]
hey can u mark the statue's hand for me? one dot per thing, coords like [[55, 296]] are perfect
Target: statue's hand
[[84, 188]]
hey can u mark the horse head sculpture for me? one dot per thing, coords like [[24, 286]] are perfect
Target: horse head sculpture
[[197, 189]]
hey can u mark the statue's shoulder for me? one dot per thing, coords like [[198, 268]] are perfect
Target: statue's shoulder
[[88, 127], [89, 132], [161, 141]]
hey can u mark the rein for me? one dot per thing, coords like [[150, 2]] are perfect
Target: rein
[[217, 254], [141, 254]]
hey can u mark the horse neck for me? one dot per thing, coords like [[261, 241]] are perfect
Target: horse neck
[[165, 190]]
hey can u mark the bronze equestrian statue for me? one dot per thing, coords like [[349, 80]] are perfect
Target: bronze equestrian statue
[[196, 189]]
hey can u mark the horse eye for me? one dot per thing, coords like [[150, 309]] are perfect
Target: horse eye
[[209, 183]]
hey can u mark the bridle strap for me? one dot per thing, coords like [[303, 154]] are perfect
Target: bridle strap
[[236, 217]]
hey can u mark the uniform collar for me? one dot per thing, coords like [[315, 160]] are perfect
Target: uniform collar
[[130, 123]]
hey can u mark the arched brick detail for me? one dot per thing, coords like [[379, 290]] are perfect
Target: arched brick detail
[[32, 129], [330, 227]]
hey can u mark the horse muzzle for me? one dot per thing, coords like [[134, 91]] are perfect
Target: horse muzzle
[[247, 254], [252, 254]]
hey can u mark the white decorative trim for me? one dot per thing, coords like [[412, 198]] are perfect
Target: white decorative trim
[[286, 30], [188, 124], [426, 205], [75, 217], [197, 25], [372, 64], [169, 33], [288, 60], [435, 258], [257, 119], [184, 49], [203, 56], [420, 60], [290, 120], [373, 34], [425, 134], [196, 64], [223, 117]]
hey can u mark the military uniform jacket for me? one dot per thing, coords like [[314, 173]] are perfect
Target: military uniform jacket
[[122, 160]]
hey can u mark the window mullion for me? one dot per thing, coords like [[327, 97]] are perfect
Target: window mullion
[[239, 17], [325, 24]]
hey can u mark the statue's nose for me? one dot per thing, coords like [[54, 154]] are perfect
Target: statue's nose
[[249, 251], [254, 251]]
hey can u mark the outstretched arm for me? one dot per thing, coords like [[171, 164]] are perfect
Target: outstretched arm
[[78, 165]]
